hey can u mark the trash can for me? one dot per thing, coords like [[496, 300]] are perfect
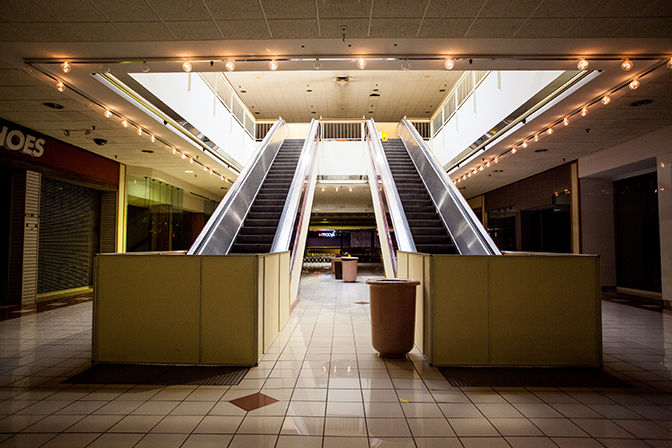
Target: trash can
[[392, 303], [349, 269], [338, 268]]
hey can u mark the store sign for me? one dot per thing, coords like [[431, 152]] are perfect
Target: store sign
[[16, 140], [330, 234]]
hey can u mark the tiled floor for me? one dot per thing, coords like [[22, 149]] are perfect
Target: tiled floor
[[332, 390]]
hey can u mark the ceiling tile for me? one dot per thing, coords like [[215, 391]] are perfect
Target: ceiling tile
[[507, 8], [173, 10], [646, 27], [201, 30], [618, 8], [97, 32], [344, 9], [24, 11], [454, 8], [126, 10], [293, 29], [394, 27], [11, 33], [296, 9], [15, 77], [331, 28], [546, 27], [246, 10], [564, 8], [444, 27], [399, 8], [72, 11], [244, 29], [590, 27], [48, 32], [502, 28], [145, 31]]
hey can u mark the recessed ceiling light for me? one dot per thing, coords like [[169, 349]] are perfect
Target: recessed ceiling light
[[53, 105], [309, 91], [641, 103], [243, 91], [148, 151], [498, 171], [541, 150], [188, 171]]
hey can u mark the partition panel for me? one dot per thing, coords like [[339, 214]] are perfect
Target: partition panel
[[545, 310], [147, 309], [229, 310], [271, 290], [460, 309]]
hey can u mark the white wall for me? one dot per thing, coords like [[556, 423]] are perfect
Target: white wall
[[499, 94], [190, 96], [341, 158], [597, 225]]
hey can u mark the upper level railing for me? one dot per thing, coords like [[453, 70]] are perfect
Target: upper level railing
[[463, 88], [467, 232], [220, 231]]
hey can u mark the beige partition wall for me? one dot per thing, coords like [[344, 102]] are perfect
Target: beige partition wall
[[179, 309], [509, 310]]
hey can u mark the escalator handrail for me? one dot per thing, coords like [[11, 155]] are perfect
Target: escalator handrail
[[221, 230], [466, 230], [305, 167], [402, 231]]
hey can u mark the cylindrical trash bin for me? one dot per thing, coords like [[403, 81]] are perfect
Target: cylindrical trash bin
[[338, 269], [349, 269], [392, 315]]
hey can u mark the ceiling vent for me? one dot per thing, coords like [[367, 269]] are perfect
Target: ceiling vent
[[342, 79]]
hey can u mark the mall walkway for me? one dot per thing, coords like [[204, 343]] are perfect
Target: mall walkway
[[333, 390]]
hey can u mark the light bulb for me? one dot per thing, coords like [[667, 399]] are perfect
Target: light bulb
[[669, 63], [405, 65], [205, 168], [323, 189], [584, 112], [456, 181], [487, 164], [605, 100], [634, 84], [66, 67], [336, 188], [273, 65], [317, 64], [550, 131], [565, 121], [221, 177], [469, 175], [139, 131], [229, 66], [480, 168], [174, 151], [60, 86], [464, 177], [144, 68], [449, 64], [184, 156], [107, 113], [496, 160], [626, 65], [191, 160], [524, 145], [350, 189], [361, 64], [124, 123], [152, 138], [582, 65], [536, 137], [210, 170], [513, 150], [186, 66]]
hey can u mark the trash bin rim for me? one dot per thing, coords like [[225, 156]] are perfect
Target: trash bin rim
[[392, 281], [349, 258]]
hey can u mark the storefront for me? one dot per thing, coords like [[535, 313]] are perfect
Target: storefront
[[60, 207]]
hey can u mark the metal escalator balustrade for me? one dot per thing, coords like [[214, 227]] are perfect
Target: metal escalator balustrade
[[261, 223], [428, 231]]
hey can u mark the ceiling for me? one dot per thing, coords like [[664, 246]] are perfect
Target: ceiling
[[478, 34]]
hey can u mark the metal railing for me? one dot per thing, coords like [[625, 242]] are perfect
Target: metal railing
[[219, 233], [467, 232]]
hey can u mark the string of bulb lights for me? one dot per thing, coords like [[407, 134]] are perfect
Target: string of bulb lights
[[604, 99], [361, 63]]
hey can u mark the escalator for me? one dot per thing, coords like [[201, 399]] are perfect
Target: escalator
[[261, 223], [427, 229]]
